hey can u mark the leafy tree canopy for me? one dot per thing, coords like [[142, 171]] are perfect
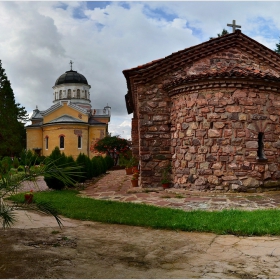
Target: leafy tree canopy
[[112, 146], [112, 143]]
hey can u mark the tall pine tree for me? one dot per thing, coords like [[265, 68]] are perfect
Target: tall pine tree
[[12, 118]]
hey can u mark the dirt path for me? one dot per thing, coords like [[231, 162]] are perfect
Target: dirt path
[[94, 250]]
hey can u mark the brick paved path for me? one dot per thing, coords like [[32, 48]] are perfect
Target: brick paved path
[[117, 186]]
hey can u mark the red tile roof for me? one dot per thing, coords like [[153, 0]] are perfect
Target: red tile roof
[[194, 53]]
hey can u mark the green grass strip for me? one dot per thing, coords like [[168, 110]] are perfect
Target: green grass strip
[[247, 223]]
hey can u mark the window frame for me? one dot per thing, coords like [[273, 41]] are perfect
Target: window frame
[[79, 142], [47, 143], [61, 142]]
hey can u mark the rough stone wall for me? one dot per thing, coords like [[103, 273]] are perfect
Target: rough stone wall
[[154, 132], [226, 59], [209, 135], [215, 139], [135, 137]]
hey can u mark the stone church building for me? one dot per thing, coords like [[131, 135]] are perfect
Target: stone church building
[[70, 123], [212, 111]]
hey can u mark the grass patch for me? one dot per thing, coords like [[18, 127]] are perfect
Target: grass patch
[[237, 222]]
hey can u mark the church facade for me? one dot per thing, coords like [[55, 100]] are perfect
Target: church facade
[[70, 123], [212, 111]]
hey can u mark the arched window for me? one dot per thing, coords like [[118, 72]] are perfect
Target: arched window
[[60, 94], [61, 141], [78, 94], [69, 93], [79, 142]]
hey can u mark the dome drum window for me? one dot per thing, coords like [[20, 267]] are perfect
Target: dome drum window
[[72, 86]]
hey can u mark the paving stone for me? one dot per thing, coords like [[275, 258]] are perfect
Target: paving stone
[[116, 186]]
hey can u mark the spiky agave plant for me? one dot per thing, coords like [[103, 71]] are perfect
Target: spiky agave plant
[[10, 184]]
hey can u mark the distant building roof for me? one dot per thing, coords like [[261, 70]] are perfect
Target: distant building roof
[[65, 119]]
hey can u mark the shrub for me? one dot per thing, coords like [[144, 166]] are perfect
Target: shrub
[[55, 159], [96, 168], [37, 160], [15, 162], [21, 168], [70, 162], [102, 164], [81, 161], [26, 158], [109, 162], [6, 165], [125, 159]]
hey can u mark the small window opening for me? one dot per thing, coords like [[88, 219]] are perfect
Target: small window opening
[[260, 153], [61, 142], [69, 93], [78, 94], [47, 143], [60, 94], [211, 125], [79, 142]]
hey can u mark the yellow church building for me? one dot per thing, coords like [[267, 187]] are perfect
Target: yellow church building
[[70, 123]]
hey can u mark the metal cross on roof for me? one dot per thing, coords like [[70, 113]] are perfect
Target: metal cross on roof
[[71, 64], [233, 25]]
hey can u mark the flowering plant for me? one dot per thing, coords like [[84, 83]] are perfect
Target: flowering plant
[[29, 193], [135, 176]]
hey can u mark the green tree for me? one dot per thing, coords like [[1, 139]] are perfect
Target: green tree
[[55, 159], [277, 50], [113, 146], [224, 32], [82, 162], [12, 118], [96, 168]]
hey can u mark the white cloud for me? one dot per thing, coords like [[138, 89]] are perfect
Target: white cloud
[[38, 39], [125, 123]]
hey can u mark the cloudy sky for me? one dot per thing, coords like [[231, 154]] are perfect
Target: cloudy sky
[[38, 40]]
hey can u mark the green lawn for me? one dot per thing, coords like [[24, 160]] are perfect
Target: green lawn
[[69, 204]]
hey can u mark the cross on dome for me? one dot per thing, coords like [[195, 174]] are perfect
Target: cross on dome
[[233, 25], [71, 64]]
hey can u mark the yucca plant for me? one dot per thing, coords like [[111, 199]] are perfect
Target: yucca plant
[[10, 184]]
